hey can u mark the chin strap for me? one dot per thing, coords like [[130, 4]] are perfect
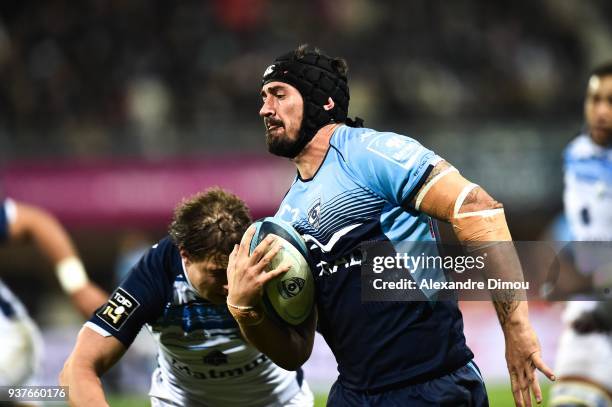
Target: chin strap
[[358, 122]]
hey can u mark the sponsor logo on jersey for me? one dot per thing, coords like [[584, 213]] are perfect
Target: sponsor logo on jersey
[[118, 309], [289, 214], [314, 214], [324, 268], [216, 358], [291, 287], [227, 373]]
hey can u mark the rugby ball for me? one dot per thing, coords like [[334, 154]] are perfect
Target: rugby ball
[[289, 296]]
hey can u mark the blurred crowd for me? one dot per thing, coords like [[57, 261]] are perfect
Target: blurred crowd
[[101, 78]]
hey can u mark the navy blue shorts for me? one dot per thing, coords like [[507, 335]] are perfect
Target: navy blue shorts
[[462, 388]]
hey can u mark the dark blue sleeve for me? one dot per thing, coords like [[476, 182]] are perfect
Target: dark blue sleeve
[[141, 297]]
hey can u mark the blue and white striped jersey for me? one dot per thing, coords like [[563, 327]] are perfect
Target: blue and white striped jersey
[[202, 357]]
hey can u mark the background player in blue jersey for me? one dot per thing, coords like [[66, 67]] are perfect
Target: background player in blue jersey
[[178, 290], [355, 185], [584, 358], [20, 342]]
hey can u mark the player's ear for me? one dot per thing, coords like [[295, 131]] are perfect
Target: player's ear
[[330, 104], [185, 257]]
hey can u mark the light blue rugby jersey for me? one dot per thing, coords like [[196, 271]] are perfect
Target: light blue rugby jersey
[[588, 189], [361, 193]]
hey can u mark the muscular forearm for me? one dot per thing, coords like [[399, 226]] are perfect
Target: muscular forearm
[[296, 342], [93, 355], [479, 223], [84, 385], [510, 312], [503, 264]]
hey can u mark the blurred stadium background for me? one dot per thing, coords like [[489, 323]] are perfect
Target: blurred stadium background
[[112, 111]]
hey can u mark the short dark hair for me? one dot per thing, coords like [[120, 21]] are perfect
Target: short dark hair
[[209, 223], [602, 70]]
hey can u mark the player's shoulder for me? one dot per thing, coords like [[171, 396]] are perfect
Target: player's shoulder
[[580, 148], [152, 278], [356, 144], [164, 246], [163, 249], [162, 258], [355, 138]]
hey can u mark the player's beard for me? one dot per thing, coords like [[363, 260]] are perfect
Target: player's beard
[[282, 145], [602, 137]]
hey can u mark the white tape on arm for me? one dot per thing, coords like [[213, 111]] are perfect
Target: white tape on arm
[[10, 207], [71, 274], [430, 184], [485, 213], [459, 201]]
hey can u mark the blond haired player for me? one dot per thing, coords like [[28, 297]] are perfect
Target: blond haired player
[[178, 290]]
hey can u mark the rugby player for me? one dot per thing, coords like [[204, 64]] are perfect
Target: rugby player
[[584, 357], [353, 185], [20, 340], [178, 290]]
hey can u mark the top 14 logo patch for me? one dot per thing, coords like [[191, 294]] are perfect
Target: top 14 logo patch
[[118, 309]]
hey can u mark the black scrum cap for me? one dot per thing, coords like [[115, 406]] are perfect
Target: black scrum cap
[[317, 78]]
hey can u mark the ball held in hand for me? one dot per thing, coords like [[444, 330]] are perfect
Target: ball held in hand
[[289, 296]]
